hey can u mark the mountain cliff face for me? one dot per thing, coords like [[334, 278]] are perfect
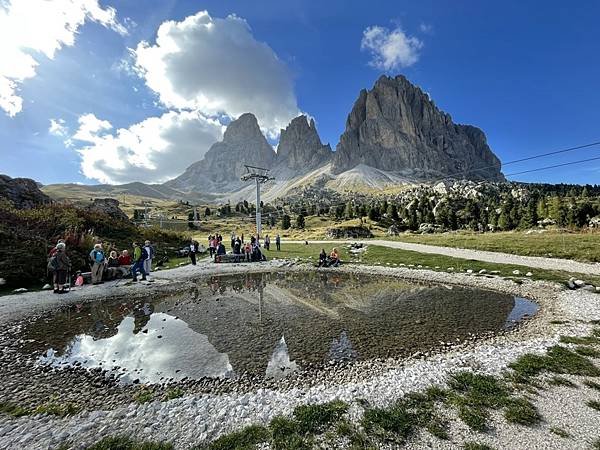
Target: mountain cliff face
[[223, 164], [300, 148], [396, 127]]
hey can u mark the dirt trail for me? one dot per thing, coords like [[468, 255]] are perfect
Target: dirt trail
[[480, 255]]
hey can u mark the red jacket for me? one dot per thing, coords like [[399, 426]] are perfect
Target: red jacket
[[125, 260]]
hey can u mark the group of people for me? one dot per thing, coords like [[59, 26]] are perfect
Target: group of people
[[116, 265], [244, 251], [122, 265], [331, 260]]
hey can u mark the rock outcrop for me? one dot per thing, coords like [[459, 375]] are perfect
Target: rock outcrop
[[222, 166], [300, 147], [396, 127], [108, 206], [24, 193]]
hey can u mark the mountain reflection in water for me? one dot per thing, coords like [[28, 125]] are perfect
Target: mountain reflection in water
[[228, 325]]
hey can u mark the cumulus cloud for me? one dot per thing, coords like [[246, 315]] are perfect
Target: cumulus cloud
[[30, 29], [216, 66], [390, 49], [153, 150], [426, 28], [58, 128]]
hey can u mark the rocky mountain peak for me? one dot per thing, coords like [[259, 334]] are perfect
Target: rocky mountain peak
[[396, 127], [244, 128], [222, 166], [300, 147]]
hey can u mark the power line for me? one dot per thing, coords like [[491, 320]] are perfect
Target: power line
[[529, 158], [554, 166]]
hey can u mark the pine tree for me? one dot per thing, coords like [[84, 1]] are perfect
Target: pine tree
[[300, 221], [207, 212], [349, 211], [286, 222]]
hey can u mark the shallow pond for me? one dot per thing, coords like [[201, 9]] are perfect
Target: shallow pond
[[267, 324]]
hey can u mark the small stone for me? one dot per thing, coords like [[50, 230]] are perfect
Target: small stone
[[579, 283], [46, 287], [19, 290], [469, 270], [528, 274], [482, 271], [516, 272]]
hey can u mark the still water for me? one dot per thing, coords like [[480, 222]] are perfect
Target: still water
[[268, 324]]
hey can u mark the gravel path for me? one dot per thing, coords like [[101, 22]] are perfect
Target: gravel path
[[480, 255], [194, 418]]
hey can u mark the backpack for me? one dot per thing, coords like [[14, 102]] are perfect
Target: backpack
[[144, 256], [52, 263]]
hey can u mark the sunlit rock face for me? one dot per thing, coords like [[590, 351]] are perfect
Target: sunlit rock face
[[396, 127], [222, 166]]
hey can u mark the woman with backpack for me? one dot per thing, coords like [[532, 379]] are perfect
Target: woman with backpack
[[97, 260], [60, 264]]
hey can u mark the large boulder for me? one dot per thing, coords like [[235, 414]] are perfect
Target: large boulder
[[24, 193], [348, 232]]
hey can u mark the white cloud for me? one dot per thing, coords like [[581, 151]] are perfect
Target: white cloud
[[426, 28], [30, 29], [216, 66], [90, 128], [154, 150], [390, 49], [58, 128]]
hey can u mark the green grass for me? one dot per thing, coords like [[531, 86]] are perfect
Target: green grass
[[245, 439], [384, 256], [143, 395], [585, 340], [577, 246], [173, 393], [522, 412], [560, 432], [592, 384], [594, 404], [13, 410], [557, 380], [52, 406], [587, 351], [317, 418], [476, 446], [596, 444], [126, 443], [558, 359]]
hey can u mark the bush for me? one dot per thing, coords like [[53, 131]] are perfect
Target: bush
[[28, 235]]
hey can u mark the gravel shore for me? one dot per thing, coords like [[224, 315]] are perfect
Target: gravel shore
[[207, 413]]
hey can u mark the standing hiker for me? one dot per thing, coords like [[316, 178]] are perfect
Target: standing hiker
[[97, 260], [139, 256], [278, 242], [60, 264], [193, 250], [148, 261]]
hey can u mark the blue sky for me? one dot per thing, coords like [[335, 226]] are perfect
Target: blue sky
[[526, 74]]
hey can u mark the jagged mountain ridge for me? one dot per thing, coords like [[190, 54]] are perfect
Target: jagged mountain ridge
[[395, 135]]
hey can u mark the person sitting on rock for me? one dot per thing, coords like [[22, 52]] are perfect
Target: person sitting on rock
[[334, 258], [112, 266], [323, 258], [125, 263]]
